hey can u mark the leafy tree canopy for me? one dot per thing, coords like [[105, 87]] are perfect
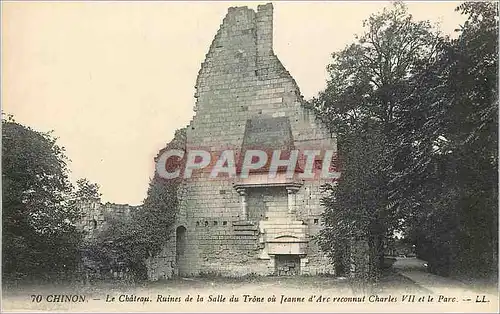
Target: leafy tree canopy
[[416, 115], [39, 227]]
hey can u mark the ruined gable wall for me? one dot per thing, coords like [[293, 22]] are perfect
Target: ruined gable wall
[[241, 78]]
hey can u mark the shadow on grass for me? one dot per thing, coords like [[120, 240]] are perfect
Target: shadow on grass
[[293, 282], [389, 282]]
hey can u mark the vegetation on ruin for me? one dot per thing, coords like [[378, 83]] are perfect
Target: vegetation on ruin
[[415, 113], [115, 246], [128, 242], [161, 203], [118, 246]]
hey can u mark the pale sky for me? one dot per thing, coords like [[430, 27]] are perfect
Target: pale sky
[[114, 80]]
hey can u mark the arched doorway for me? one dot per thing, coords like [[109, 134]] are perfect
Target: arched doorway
[[180, 250]]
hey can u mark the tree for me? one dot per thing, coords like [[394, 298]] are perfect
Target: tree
[[368, 78], [86, 191], [355, 209], [40, 237], [448, 187], [365, 95]]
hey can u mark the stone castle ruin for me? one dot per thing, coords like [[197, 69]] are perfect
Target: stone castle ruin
[[96, 217], [257, 225]]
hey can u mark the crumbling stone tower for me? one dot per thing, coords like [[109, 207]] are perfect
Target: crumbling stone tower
[[231, 226]]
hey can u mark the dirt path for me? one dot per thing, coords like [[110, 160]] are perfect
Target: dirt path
[[446, 288]]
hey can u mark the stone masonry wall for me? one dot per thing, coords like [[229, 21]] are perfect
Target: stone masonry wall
[[95, 214], [241, 78]]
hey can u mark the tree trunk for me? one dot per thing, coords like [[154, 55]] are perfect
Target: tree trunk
[[373, 259]]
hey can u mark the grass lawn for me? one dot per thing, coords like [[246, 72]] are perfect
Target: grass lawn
[[391, 281]]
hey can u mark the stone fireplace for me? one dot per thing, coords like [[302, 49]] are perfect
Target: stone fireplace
[[271, 203], [287, 265]]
